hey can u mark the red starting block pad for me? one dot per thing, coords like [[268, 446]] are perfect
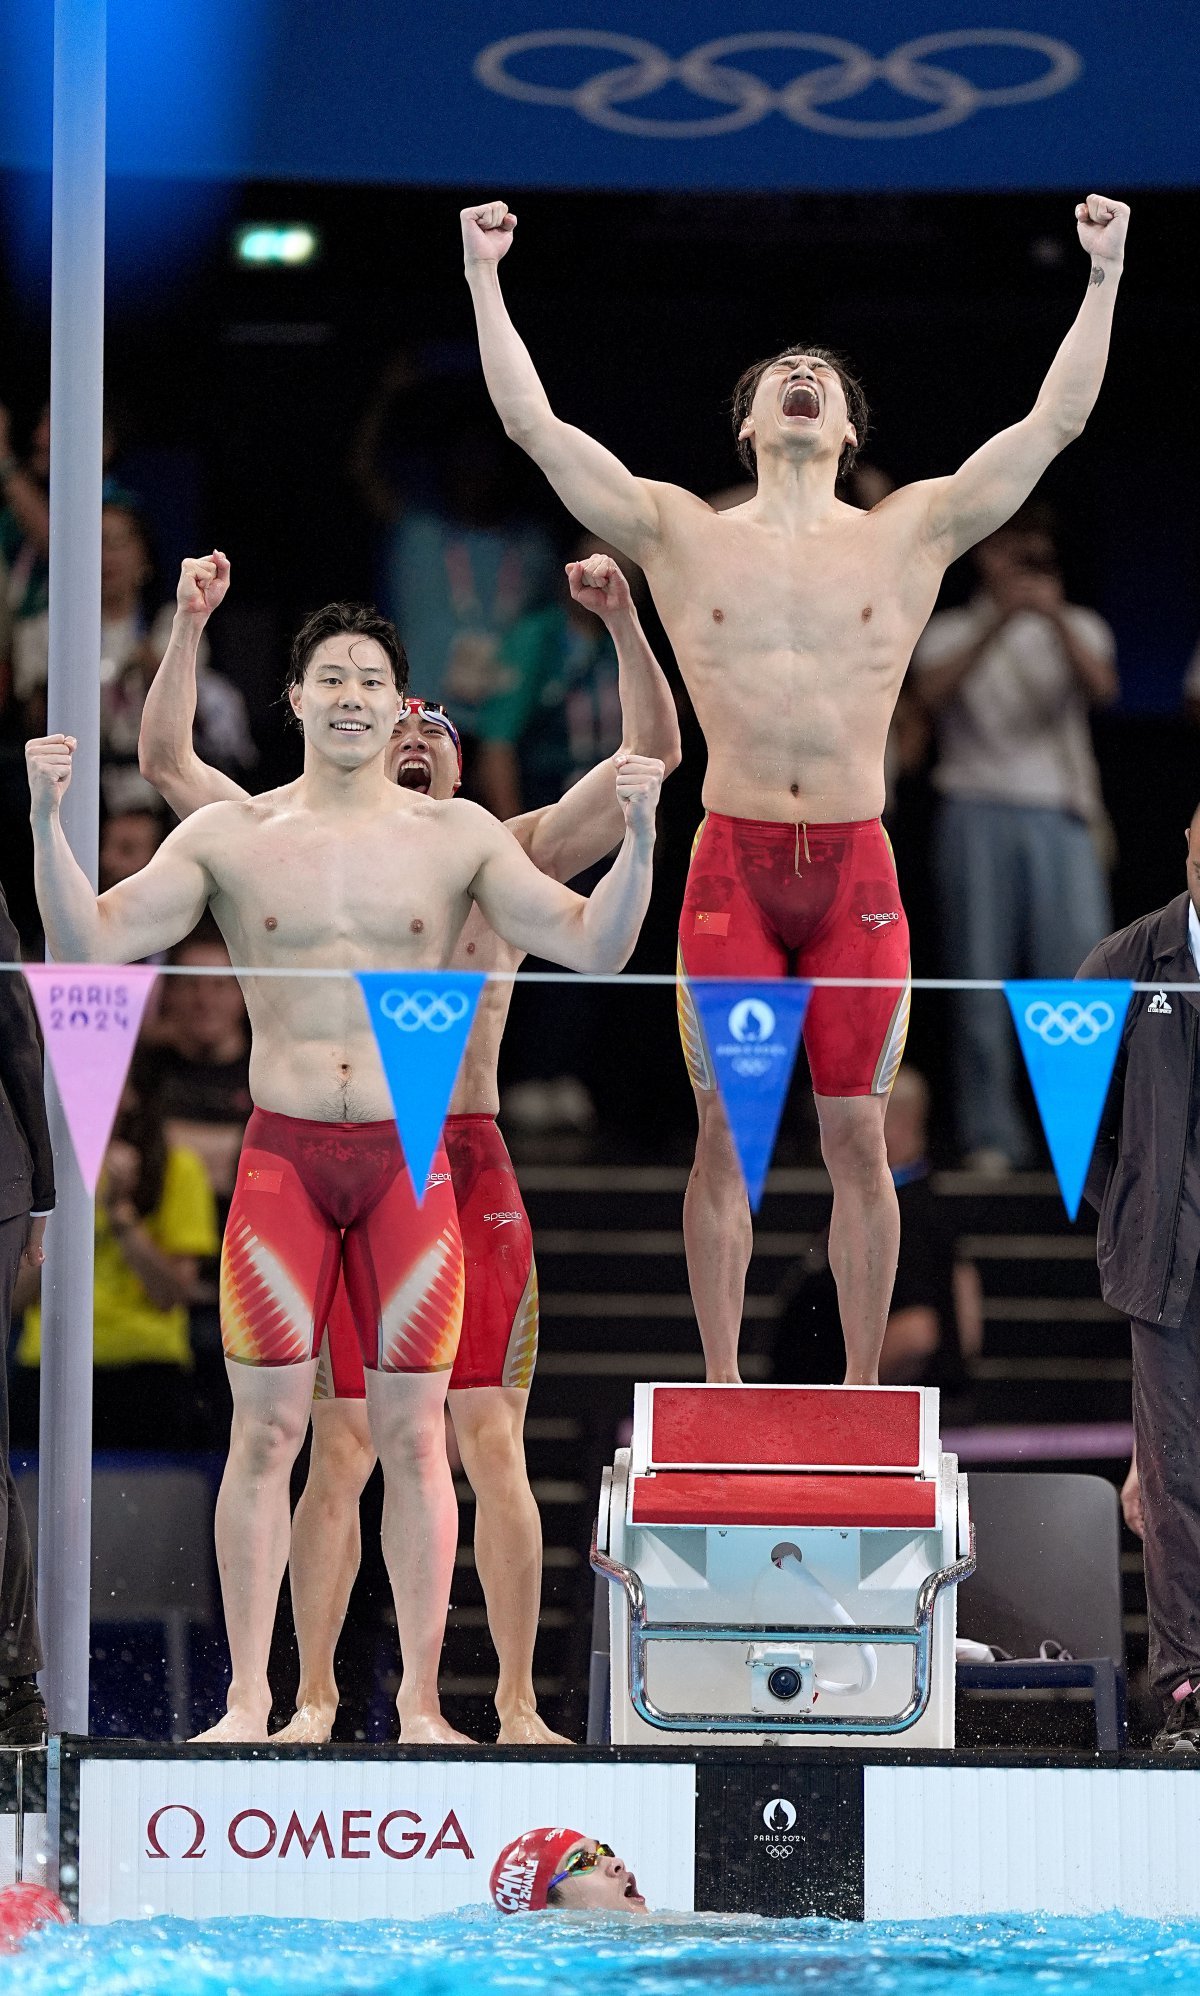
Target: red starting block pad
[[869, 1431], [783, 1560]]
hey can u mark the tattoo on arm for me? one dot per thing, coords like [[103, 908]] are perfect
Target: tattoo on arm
[[1097, 276]]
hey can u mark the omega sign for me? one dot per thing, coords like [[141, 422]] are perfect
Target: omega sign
[[177, 1830]]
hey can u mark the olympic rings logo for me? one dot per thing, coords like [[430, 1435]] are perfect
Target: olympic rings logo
[[1083, 1025], [435, 1010], [851, 70]]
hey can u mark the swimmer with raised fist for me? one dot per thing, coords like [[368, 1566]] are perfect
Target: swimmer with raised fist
[[340, 870], [793, 618]]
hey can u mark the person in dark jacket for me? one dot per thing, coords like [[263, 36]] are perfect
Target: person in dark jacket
[[1145, 1183], [26, 1197]]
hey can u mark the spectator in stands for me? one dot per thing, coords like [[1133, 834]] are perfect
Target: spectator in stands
[[1145, 1182], [24, 560], [135, 630], [1191, 687], [935, 1324], [26, 1198], [128, 842], [555, 711], [155, 1219], [24, 563], [1010, 680], [198, 1069], [460, 566]]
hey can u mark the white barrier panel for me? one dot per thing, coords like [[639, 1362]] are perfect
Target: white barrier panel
[[34, 1854], [355, 1839], [950, 1841]]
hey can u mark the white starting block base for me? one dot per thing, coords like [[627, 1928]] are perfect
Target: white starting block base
[[751, 1533]]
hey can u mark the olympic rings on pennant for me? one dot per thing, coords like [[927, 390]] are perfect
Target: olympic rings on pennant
[[436, 1010], [850, 70], [1083, 1025]]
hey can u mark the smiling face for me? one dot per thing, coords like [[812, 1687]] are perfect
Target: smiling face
[[422, 757], [347, 702], [608, 1887]]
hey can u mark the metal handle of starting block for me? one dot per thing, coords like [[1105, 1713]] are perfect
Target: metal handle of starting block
[[641, 1632]]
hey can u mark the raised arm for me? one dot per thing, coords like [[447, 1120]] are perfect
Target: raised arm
[[587, 821], [166, 756], [991, 485], [144, 914], [590, 481], [535, 913]]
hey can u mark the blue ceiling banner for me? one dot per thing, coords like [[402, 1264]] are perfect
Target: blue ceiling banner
[[1070, 1034], [752, 1033], [711, 94], [421, 1020]]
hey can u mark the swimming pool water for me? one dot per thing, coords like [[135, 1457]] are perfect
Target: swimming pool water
[[552, 1955]]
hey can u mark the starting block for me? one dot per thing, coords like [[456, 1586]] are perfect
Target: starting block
[[784, 1562]]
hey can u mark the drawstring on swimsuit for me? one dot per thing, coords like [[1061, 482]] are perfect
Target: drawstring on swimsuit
[[807, 855]]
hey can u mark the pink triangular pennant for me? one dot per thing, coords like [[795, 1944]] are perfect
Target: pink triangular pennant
[[90, 1015]]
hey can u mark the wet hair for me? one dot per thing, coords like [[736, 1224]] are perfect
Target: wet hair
[[358, 620], [852, 389]]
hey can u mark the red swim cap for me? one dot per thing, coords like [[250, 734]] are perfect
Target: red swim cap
[[521, 1874]]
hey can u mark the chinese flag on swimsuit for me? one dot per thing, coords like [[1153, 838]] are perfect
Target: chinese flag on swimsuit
[[421, 1020], [90, 1014], [1070, 1034], [752, 1032]]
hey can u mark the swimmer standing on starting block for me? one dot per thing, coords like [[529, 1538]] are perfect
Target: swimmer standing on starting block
[[493, 1367], [793, 618], [339, 870]]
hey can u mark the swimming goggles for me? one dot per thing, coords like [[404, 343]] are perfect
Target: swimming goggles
[[580, 1863], [433, 710]]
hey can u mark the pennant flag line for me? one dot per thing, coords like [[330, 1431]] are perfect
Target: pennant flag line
[[752, 1032], [421, 1020], [90, 1015], [1070, 1034]]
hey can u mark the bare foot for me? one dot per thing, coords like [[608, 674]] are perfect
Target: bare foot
[[310, 1725], [430, 1729], [529, 1729], [235, 1729]]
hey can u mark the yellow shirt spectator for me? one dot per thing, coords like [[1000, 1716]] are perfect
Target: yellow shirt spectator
[[129, 1328]]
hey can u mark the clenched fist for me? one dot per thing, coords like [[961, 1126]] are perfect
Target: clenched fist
[[48, 766], [639, 780], [599, 585], [1102, 225], [202, 586], [487, 232]]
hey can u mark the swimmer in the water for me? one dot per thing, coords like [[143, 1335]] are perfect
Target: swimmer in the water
[[562, 1869], [793, 618], [340, 870], [493, 1368]]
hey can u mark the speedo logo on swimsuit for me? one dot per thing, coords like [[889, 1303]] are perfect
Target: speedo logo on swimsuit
[[880, 921], [436, 1178], [502, 1219]]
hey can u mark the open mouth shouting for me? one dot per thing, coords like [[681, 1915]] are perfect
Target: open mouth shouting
[[414, 770], [631, 1892], [801, 401]]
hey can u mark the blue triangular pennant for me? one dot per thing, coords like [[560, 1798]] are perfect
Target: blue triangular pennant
[[752, 1032], [1070, 1034], [421, 1020]]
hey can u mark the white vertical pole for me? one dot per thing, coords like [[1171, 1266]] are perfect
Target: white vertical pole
[[76, 476]]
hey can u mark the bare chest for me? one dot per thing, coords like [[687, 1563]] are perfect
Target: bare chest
[[297, 893], [734, 598]]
